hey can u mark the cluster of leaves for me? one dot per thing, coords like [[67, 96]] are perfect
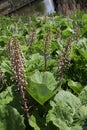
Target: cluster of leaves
[[55, 51]]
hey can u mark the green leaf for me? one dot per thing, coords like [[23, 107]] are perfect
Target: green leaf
[[76, 128], [33, 123], [75, 86], [67, 32], [66, 107], [4, 39], [84, 18], [81, 114], [79, 55], [38, 123], [82, 47], [83, 30], [42, 85], [6, 96], [10, 119], [83, 95], [35, 61], [5, 66]]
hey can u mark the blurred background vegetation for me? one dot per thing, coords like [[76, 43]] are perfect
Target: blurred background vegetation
[[30, 7]]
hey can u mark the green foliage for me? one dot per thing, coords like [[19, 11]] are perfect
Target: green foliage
[[5, 67], [6, 96], [10, 118], [75, 86], [83, 95], [56, 102], [35, 61], [67, 111], [84, 18], [33, 123], [78, 69], [80, 49], [41, 86]]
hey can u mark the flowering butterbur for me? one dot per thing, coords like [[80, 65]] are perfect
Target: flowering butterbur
[[64, 58], [18, 64]]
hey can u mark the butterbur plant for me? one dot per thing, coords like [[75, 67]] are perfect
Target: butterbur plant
[[64, 58], [31, 40], [77, 32], [47, 47], [18, 64], [48, 89]]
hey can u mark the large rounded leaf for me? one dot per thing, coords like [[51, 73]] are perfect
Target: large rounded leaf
[[10, 119], [42, 85], [66, 108]]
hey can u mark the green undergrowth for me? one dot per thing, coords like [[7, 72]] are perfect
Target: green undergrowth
[[55, 53]]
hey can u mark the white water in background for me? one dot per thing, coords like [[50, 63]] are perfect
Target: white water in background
[[41, 7], [49, 6]]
